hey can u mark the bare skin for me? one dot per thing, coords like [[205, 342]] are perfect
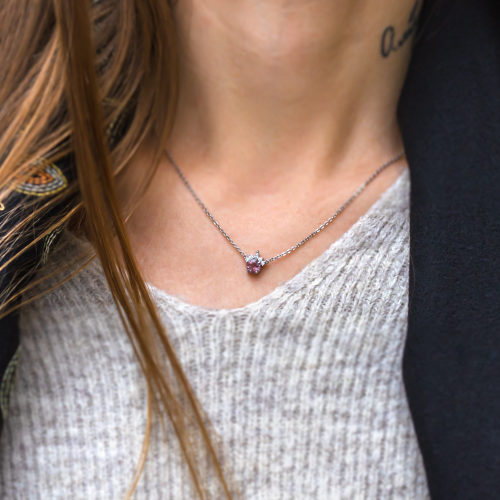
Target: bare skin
[[286, 107]]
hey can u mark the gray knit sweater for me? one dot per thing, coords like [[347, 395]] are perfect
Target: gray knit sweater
[[304, 386]]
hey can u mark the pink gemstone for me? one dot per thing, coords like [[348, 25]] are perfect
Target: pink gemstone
[[254, 266]]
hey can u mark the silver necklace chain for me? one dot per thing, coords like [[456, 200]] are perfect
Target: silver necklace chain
[[307, 238]]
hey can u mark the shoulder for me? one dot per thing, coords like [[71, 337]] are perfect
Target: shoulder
[[28, 233]]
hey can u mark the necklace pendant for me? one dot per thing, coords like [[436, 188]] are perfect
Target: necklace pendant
[[254, 263]]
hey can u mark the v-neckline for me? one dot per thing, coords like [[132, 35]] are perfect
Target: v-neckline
[[165, 299]]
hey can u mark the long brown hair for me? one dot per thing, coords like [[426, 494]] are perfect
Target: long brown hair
[[72, 70]]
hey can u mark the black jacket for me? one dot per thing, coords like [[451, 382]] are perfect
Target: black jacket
[[450, 119]]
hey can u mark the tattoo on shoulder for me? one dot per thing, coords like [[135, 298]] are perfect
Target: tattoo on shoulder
[[390, 43]]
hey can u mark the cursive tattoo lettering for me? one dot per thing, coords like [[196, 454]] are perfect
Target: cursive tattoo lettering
[[389, 43]]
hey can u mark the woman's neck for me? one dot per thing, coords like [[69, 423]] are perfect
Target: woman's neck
[[275, 86], [286, 108]]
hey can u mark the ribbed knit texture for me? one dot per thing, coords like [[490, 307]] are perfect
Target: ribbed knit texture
[[304, 386]]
